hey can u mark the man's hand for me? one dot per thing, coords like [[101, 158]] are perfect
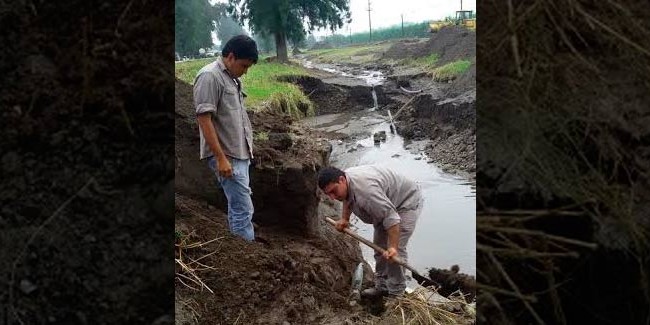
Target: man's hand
[[341, 224], [390, 253], [225, 169]]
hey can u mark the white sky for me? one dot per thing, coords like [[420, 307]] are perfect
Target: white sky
[[387, 13]]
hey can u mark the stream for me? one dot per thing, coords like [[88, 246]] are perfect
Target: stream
[[445, 234]]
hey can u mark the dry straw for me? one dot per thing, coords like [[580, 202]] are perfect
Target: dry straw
[[561, 120]]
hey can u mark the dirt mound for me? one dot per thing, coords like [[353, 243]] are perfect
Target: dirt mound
[[283, 278], [335, 95], [450, 124], [570, 143], [322, 46], [408, 48], [283, 178], [451, 43], [452, 281], [464, 82], [86, 104]]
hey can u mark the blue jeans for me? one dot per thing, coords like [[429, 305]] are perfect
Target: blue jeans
[[238, 193]]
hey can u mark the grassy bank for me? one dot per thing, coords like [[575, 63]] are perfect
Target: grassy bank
[[260, 84], [450, 70]]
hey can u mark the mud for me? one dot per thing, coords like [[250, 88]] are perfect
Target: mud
[[337, 94], [282, 278], [451, 282], [83, 103]]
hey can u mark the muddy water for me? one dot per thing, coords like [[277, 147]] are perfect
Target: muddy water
[[445, 233]]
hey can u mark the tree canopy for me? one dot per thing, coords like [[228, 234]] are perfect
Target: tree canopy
[[289, 20], [193, 26], [227, 27]]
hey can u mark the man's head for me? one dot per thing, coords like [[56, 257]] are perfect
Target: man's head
[[239, 54], [332, 182]]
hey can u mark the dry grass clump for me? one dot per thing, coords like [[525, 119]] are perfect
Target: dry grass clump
[[424, 306], [563, 123]]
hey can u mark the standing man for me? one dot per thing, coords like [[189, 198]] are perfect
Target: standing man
[[225, 130], [388, 201]]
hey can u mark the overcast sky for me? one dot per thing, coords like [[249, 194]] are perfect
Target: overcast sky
[[385, 13]]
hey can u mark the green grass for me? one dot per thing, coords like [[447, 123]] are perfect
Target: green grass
[[261, 85], [261, 136], [187, 70], [450, 70], [426, 62]]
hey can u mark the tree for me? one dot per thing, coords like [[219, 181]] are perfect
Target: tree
[[286, 19], [265, 43], [311, 40], [193, 26], [227, 27]]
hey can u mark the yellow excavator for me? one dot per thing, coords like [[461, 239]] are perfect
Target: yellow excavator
[[463, 18]]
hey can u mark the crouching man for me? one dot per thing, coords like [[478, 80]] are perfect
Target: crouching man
[[388, 201]]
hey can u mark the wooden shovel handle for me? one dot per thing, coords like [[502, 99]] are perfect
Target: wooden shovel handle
[[371, 244]]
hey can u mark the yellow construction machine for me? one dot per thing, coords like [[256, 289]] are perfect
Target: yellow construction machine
[[463, 18]]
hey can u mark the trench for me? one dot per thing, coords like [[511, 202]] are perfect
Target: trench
[[445, 233]]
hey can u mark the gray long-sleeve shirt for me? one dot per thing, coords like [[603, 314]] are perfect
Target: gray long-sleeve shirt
[[217, 93], [377, 194]]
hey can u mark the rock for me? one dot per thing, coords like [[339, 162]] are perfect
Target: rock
[[418, 158], [27, 286], [10, 161], [255, 275], [280, 141], [164, 320], [395, 155]]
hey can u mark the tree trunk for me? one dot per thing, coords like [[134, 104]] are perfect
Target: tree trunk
[[281, 47]]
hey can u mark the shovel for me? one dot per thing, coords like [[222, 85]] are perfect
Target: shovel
[[423, 281]]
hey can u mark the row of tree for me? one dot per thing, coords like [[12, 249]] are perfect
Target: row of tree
[[274, 23], [271, 21], [410, 30]]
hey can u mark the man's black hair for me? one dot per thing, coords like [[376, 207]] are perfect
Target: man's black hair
[[242, 46], [328, 175]]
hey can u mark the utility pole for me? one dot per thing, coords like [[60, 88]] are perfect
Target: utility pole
[[461, 4], [402, 25], [350, 33], [369, 22]]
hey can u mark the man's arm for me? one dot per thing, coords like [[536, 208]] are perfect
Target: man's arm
[[345, 217], [393, 241], [207, 94], [211, 138]]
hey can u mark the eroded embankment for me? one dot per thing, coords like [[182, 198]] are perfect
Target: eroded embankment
[[423, 113], [298, 270]]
